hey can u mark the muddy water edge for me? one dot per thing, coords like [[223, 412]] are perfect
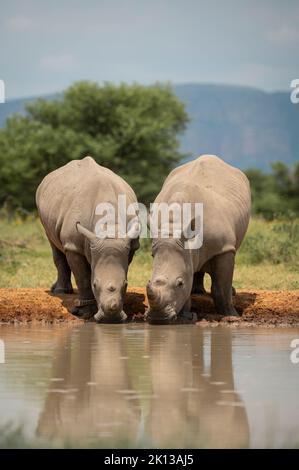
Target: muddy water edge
[[137, 385]]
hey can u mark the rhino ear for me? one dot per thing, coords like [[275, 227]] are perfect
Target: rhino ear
[[192, 234], [153, 225], [89, 235], [134, 228]]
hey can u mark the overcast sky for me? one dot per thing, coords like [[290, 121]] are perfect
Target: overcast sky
[[46, 45]]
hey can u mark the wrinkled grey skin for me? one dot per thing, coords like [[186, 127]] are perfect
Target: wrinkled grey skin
[[177, 271], [66, 201]]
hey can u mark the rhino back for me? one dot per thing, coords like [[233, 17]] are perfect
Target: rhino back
[[225, 194], [71, 193]]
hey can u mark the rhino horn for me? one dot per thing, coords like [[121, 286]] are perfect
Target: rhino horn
[[153, 296], [91, 236]]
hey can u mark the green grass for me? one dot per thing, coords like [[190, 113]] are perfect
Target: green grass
[[15, 438], [268, 258], [12, 437]]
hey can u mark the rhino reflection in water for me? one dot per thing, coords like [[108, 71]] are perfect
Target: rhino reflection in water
[[195, 408], [151, 389], [87, 404]]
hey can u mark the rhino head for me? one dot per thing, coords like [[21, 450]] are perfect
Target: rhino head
[[110, 258], [170, 287]]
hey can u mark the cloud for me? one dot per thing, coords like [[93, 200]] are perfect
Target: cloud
[[57, 62], [20, 24], [285, 35]]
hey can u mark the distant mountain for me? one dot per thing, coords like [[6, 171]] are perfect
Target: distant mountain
[[18, 106], [245, 126], [11, 107]]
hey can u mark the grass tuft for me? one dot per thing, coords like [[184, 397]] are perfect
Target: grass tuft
[[268, 258]]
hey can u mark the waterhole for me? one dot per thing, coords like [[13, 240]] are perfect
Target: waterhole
[[149, 386]]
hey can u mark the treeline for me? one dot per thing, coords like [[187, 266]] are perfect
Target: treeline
[[131, 129], [275, 194]]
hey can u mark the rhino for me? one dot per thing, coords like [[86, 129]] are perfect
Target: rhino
[[178, 270], [67, 201]]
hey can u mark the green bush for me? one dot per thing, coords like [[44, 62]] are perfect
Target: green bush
[[131, 129], [273, 242], [275, 194]]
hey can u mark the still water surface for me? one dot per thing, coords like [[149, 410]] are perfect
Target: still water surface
[[150, 386]]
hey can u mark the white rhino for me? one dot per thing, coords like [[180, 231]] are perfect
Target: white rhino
[[67, 199], [177, 271]]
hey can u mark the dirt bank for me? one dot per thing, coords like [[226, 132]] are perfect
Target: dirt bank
[[256, 307]]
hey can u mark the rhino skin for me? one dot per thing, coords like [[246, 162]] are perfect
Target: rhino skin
[[179, 271], [66, 200]]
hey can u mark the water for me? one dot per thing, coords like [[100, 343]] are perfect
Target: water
[[150, 386]]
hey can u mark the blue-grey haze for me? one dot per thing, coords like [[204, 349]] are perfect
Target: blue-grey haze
[[246, 126]]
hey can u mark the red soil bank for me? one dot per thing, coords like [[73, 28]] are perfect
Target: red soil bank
[[257, 307]]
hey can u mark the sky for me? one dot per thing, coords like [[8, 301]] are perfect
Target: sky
[[46, 45]]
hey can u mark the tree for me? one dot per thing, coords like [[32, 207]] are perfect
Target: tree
[[130, 129], [275, 194]]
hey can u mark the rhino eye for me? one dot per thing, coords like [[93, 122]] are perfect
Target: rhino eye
[[111, 288], [179, 282]]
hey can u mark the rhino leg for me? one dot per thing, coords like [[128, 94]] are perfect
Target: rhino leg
[[186, 313], [63, 284], [222, 269], [198, 286], [86, 306]]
